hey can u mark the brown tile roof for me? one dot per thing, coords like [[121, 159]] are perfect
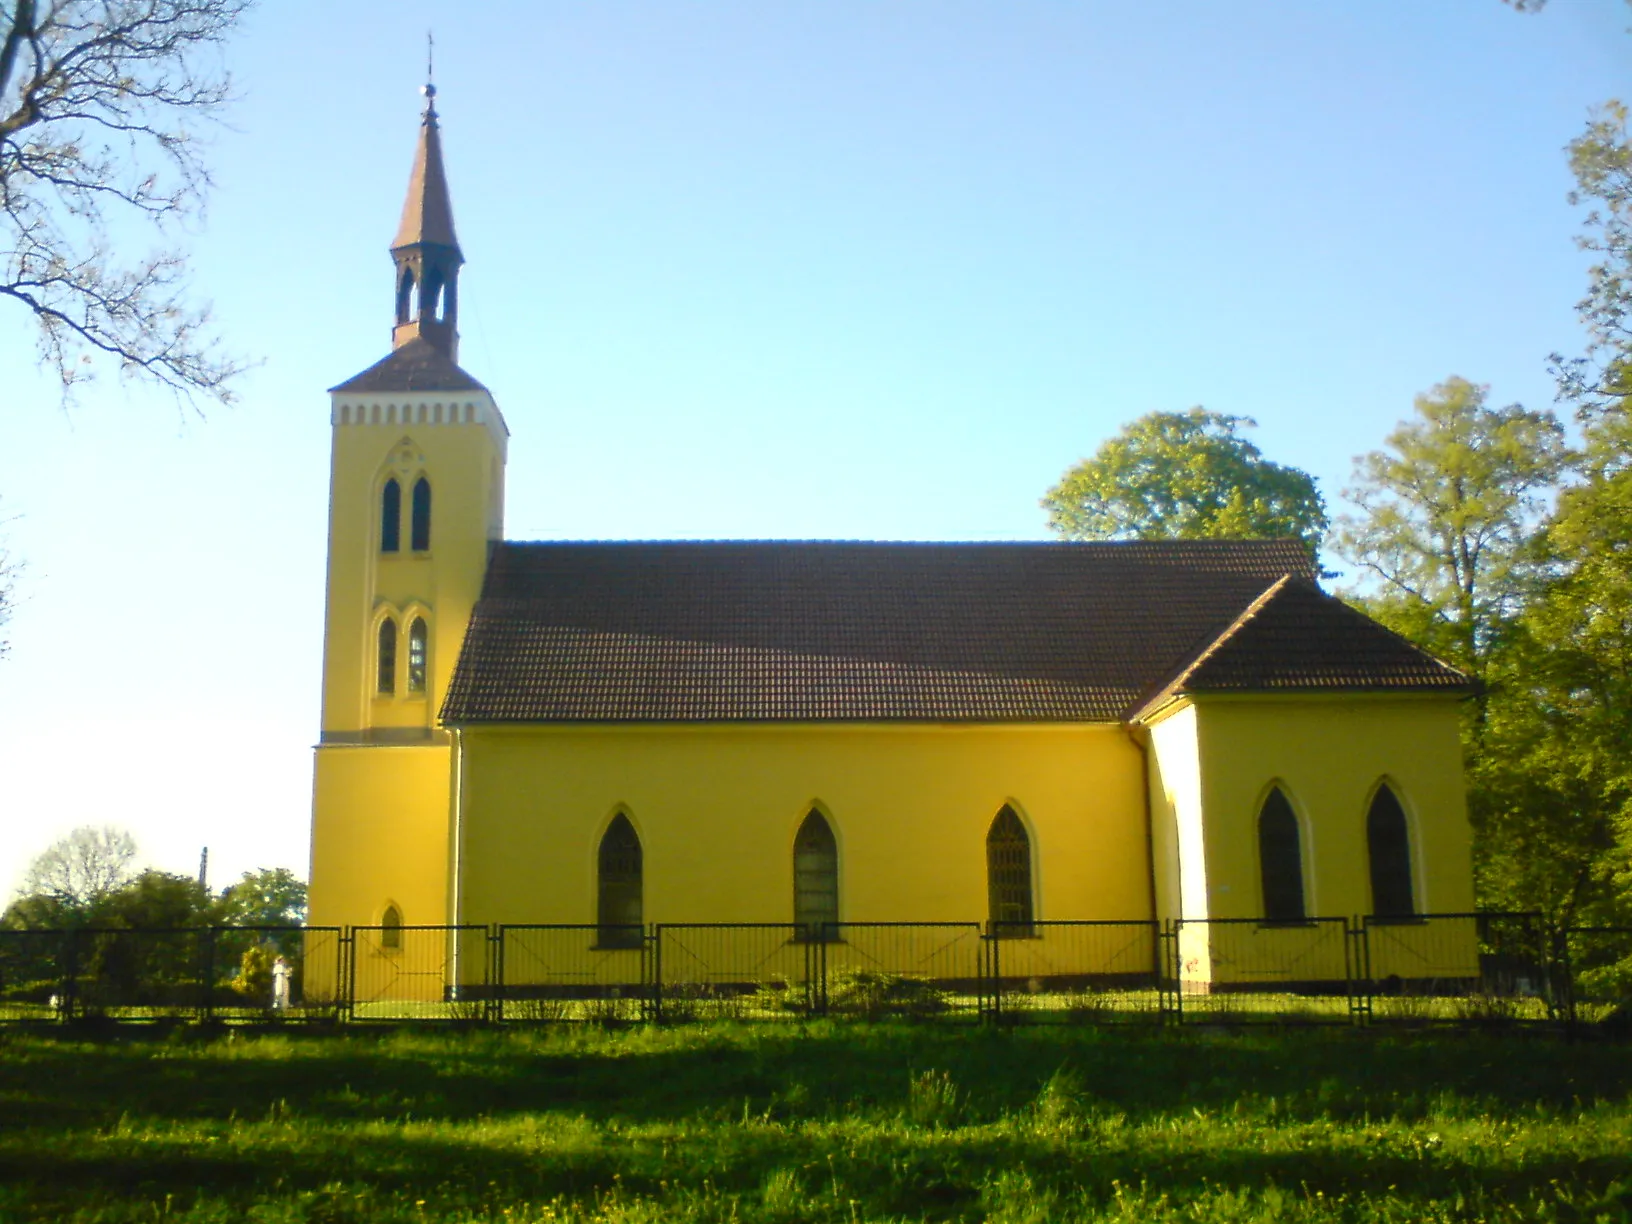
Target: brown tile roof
[[1296, 637], [417, 366], [811, 630]]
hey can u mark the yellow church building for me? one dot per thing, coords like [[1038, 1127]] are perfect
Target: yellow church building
[[621, 734]]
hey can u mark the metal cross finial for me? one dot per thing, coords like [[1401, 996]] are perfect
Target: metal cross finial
[[430, 64]]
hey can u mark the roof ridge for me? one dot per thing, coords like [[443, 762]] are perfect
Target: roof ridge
[[1246, 616]]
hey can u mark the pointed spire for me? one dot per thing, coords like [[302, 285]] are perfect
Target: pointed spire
[[425, 250], [427, 214]]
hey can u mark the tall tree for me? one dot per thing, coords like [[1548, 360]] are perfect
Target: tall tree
[[1185, 475], [1600, 381], [8, 588], [273, 896], [1445, 513], [69, 880], [101, 110], [1554, 789]]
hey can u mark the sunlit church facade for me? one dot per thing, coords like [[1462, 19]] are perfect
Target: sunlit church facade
[[618, 734]]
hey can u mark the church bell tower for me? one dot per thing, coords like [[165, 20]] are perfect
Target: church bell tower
[[415, 499]]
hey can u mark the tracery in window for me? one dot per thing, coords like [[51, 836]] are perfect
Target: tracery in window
[[1008, 876], [1280, 859], [816, 879], [1388, 841], [417, 642], [619, 908], [391, 516], [385, 682]]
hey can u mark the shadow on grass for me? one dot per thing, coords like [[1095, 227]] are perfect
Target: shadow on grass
[[484, 1118], [898, 1172], [673, 1074]]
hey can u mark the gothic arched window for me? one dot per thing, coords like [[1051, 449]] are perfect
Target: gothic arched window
[[385, 681], [1280, 859], [1008, 876], [417, 643], [391, 516], [618, 906], [421, 538], [815, 879], [1388, 841], [391, 927]]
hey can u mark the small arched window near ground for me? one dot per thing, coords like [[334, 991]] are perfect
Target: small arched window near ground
[[619, 910], [1388, 840], [1280, 859], [385, 682], [816, 879], [391, 927], [391, 516], [421, 529], [417, 642], [1008, 876]]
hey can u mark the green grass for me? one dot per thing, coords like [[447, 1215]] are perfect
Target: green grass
[[826, 1121]]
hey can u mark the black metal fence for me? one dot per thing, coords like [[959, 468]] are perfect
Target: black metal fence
[[1477, 968]]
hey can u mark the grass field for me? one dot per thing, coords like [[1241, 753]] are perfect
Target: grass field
[[826, 1121]]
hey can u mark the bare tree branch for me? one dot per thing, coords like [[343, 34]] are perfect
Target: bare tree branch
[[102, 103]]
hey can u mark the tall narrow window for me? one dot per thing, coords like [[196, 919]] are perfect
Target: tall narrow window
[[1280, 859], [422, 515], [1008, 876], [416, 655], [1389, 842], [391, 516], [816, 878], [386, 681], [618, 911], [391, 927]]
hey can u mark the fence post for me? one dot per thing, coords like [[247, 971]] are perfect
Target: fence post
[[70, 985], [1357, 967], [495, 974], [657, 973], [821, 977], [348, 973], [995, 965], [1165, 961], [206, 1011]]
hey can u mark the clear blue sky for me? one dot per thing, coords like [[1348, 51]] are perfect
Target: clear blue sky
[[835, 269]]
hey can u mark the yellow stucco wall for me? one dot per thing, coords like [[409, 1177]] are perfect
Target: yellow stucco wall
[[717, 809], [1212, 762], [464, 464], [380, 834], [1328, 754], [381, 815]]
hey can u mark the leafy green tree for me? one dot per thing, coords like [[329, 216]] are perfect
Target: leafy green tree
[[1600, 381], [273, 896], [157, 900], [1185, 475], [1445, 516]]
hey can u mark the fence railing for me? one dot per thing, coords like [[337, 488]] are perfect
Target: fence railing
[[1473, 968]]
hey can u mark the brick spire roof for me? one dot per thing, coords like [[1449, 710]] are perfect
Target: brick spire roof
[[427, 213]]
